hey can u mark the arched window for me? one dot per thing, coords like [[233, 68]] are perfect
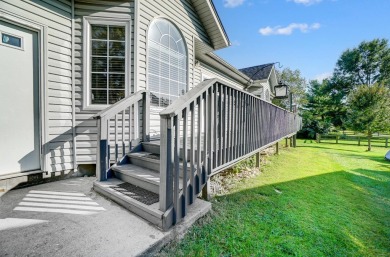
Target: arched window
[[167, 63]]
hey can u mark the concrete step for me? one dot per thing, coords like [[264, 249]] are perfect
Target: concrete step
[[150, 213], [139, 176]]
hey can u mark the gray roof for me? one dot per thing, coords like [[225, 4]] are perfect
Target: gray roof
[[258, 72]]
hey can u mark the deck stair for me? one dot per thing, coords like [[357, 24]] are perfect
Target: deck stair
[[135, 182], [210, 128]]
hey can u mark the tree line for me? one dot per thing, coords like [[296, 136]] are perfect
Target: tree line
[[355, 97]]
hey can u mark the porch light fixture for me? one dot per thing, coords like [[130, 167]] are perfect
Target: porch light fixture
[[281, 91]]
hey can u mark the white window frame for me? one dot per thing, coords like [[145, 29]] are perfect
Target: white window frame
[[87, 22], [187, 88]]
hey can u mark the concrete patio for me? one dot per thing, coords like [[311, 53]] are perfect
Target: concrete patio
[[67, 218]]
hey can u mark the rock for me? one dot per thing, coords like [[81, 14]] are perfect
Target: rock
[[387, 156]]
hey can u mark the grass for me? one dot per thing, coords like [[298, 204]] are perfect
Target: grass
[[315, 200]]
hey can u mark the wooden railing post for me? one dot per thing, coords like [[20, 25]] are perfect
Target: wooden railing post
[[166, 169], [102, 150], [387, 142], [145, 116], [277, 148], [258, 159]]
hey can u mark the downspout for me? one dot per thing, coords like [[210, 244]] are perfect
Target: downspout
[[73, 94]]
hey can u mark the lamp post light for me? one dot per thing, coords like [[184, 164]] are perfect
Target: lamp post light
[[281, 91]]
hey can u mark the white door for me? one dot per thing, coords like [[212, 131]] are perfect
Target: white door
[[19, 99]]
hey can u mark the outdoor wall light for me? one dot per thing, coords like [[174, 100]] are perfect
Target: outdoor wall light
[[281, 90]]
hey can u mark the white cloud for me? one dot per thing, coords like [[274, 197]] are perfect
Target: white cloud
[[232, 3], [322, 76], [288, 30], [305, 2]]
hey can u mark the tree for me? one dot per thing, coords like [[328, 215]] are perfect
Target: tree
[[297, 86], [367, 64], [369, 110]]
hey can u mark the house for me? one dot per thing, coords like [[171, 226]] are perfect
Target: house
[[263, 78], [134, 84]]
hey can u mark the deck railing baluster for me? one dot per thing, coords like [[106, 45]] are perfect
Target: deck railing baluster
[[192, 154], [184, 201]]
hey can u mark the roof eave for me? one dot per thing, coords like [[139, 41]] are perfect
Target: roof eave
[[205, 10]]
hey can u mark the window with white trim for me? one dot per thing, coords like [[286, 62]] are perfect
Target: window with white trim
[[167, 63], [106, 75]]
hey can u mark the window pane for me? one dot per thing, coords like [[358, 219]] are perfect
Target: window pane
[[154, 66], [154, 99], [164, 86], [99, 64], [165, 41], [172, 45], [116, 95], [11, 40], [164, 100], [154, 33], [99, 96], [117, 48], [99, 80], [163, 26], [117, 81], [99, 48], [99, 31], [117, 64], [181, 47], [153, 83], [117, 33]]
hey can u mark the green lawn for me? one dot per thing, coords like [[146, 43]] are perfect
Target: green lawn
[[314, 200]]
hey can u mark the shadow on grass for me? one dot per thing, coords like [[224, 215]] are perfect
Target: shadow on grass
[[334, 214], [328, 147]]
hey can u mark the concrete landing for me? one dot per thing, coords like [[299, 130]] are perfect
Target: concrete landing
[[67, 218]]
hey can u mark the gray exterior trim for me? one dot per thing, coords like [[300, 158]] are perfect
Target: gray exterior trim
[[73, 94]]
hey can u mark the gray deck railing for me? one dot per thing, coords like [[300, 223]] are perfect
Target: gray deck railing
[[117, 128], [208, 129]]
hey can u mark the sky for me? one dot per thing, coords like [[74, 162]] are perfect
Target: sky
[[309, 35]]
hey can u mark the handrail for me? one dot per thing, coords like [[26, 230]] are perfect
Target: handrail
[[120, 105], [191, 95], [118, 124], [211, 127]]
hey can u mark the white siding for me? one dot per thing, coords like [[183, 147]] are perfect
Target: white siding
[[210, 72], [86, 130], [56, 15]]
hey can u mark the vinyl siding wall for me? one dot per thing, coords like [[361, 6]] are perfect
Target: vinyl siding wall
[[210, 72], [56, 15], [86, 127]]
